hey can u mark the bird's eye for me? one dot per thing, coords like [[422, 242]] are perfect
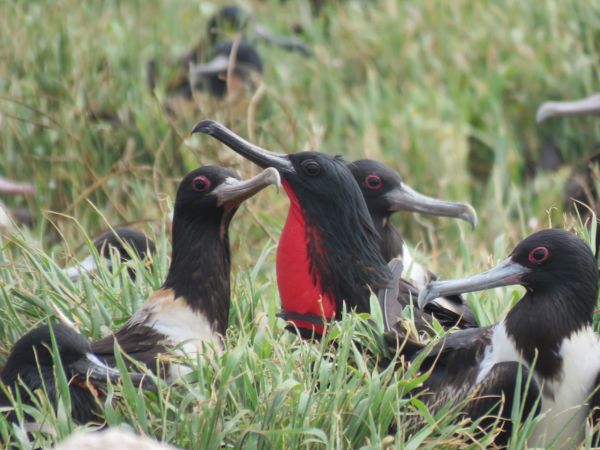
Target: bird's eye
[[201, 184], [538, 255], [311, 167], [373, 182]]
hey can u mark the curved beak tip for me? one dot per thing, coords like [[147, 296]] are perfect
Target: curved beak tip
[[543, 112], [274, 177], [205, 126], [426, 295], [470, 215]]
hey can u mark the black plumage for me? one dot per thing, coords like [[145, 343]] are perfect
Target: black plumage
[[31, 364]]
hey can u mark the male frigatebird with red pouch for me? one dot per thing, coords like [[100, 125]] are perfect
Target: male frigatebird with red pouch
[[328, 252]]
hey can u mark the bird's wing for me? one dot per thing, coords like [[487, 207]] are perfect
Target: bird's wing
[[137, 338]]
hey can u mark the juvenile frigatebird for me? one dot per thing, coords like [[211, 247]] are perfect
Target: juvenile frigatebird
[[328, 252], [123, 240], [192, 307], [30, 364], [549, 331]]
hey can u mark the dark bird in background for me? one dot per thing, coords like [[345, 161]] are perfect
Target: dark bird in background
[[30, 364], [385, 194], [548, 332], [192, 306], [329, 250], [11, 216], [125, 241], [208, 64], [580, 188]]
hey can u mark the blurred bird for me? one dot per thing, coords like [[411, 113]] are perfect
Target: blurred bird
[[192, 306], [111, 438], [125, 241], [328, 253], [229, 43], [30, 367], [581, 194], [548, 332], [11, 216]]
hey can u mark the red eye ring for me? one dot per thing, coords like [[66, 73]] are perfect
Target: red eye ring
[[373, 182], [201, 183], [538, 255]]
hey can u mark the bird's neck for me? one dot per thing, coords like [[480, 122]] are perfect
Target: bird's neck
[[200, 267], [299, 285], [328, 254], [541, 321], [391, 239]]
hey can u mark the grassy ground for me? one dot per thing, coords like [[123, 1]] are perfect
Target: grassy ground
[[412, 83]]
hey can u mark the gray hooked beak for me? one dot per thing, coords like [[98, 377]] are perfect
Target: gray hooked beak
[[404, 198], [259, 156], [290, 44], [88, 265], [9, 187], [589, 105], [506, 273], [236, 191], [96, 371]]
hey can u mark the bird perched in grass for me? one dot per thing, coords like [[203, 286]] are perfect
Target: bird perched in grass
[[125, 241], [226, 54], [192, 306], [328, 253], [547, 333], [31, 367]]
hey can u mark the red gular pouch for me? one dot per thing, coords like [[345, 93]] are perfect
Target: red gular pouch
[[300, 290]]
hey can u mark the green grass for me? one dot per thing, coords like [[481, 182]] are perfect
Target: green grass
[[407, 82]]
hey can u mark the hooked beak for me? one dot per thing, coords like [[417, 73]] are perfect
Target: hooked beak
[[405, 198], [10, 187], [88, 265], [290, 44], [259, 156], [99, 373], [589, 105], [236, 191], [506, 273]]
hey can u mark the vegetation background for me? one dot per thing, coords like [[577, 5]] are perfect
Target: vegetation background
[[445, 92]]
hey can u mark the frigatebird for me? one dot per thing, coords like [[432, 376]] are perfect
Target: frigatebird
[[125, 241], [328, 252], [548, 332], [580, 187], [385, 193], [31, 365], [192, 306], [210, 59]]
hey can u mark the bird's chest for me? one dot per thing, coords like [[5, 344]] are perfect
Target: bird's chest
[[186, 330], [299, 286], [563, 399]]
